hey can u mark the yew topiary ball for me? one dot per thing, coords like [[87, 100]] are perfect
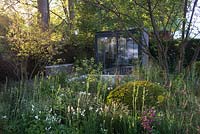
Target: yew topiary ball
[[138, 94]]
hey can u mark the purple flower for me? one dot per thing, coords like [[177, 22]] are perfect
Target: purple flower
[[147, 119]]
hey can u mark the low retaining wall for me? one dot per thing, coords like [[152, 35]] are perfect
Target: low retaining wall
[[55, 69]]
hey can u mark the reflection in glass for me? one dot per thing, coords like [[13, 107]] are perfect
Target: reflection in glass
[[117, 55], [107, 51]]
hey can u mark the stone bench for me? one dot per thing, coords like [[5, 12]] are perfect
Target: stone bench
[[56, 69]]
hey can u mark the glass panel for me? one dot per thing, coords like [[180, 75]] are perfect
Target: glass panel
[[107, 51], [117, 61], [127, 52], [135, 50], [130, 48], [101, 49], [122, 59]]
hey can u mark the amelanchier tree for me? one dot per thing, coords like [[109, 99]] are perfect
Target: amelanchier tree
[[31, 36]]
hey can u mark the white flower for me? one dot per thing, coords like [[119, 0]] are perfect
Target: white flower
[[83, 113], [48, 128], [82, 93], [50, 110], [70, 109], [110, 88], [90, 108], [104, 130], [32, 107], [4, 117], [106, 109], [61, 95], [36, 117], [78, 110]]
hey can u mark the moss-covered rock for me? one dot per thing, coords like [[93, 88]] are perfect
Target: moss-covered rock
[[138, 94]]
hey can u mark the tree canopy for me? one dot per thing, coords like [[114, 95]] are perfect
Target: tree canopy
[[71, 23]]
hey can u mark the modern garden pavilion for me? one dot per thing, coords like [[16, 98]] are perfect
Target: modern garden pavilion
[[118, 51]]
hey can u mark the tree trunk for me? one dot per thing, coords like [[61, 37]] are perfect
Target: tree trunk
[[162, 52], [71, 13], [185, 34], [43, 9]]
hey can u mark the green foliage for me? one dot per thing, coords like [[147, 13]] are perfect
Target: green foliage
[[88, 66], [109, 15], [197, 68], [65, 104], [173, 51], [76, 105], [30, 40], [4, 24], [28, 47], [138, 94]]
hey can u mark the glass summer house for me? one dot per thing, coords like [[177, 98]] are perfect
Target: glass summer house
[[118, 51]]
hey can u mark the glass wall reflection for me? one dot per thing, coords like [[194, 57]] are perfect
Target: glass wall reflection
[[117, 54]]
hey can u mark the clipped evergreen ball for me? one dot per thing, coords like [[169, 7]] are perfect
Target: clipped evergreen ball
[[138, 94]]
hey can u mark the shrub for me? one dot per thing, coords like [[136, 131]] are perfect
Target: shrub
[[197, 68], [137, 95], [7, 70]]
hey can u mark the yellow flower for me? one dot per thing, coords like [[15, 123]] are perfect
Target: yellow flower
[[160, 98]]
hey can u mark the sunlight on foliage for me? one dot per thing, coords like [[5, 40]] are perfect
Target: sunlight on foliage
[[28, 39]]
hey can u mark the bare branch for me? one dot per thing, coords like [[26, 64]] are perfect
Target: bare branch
[[191, 18]]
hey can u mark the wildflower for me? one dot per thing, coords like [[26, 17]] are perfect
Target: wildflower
[[89, 94], [48, 128], [90, 108], [70, 109], [51, 118], [36, 117], [82, 93], [106, 108], [4, 117], [83, 112], [78, 110], [50, 110], [32, 108], [110, 88], [61, 95], [147, 119], [104, 130], [59, 121], [160, 98], [101, 109]]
